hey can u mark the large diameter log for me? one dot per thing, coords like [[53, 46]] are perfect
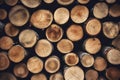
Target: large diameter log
[[54, 33], [71, 59], [79, 13], [75, 32], [112, 55], [17, 53], [116, 42], [43, 48], [35, 64], [73, 73], [11, 2], [61, 15], [100, 10], [110, 29], [28, 38], [65, 46], [4, 61], [20, 70], [40, 76], [6, 43], [52, 64], [31, 3], [19, 15], [65, 2], [3, 14], [41, 18], [56, 76]]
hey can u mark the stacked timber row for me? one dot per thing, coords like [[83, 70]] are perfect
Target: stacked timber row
[[59, 39]]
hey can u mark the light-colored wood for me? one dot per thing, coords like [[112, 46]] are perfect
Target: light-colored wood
[[43, 48], [52, 64], [100, 64], [54, 33], [41, 18], [28, 38], [20, 70], [40, 76], [91, 74], [61, 15], [56, 76], [11, 2], [75, 32], [7, 76], [65, 2], [116, 42], [100, 10], [79, 13], [48, 1], [93, 27], [73, 73], [65, 46], [114, 10], [110, 29], [16, 53], [19, 15], [3, 14], [83, 1], [71, 59], [113, 73], [6, 43], [35, 64], [87, 60], [110, 1], [11, 30], [31, 3], [4, 61], [92, 45]]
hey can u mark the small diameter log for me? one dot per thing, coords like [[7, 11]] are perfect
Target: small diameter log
[[92, 45], [65, 2], [93, 27], [114, 11], [11, 2], [31, 3], [112, 55], [56, 76], [110, 29], [61, 15], [11, 30], [79, 13], [86, 59], [48, 1], [113, 73], [73, 73], [83, 1], [43, 48], [91, 74], [71, 59], [35, 64], [4, 61], [20, 70], [75, 32], [100, 10], [41, 18], [3, 14], [40, 76], [28, 38], [6, 43], [116, 42], [7, 76], [54, 33], [19, 15], [52, 64], [65, 46], [17, 53], [100, 64], [110, 1]]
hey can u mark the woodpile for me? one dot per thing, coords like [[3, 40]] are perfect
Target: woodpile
[[59, 39]]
